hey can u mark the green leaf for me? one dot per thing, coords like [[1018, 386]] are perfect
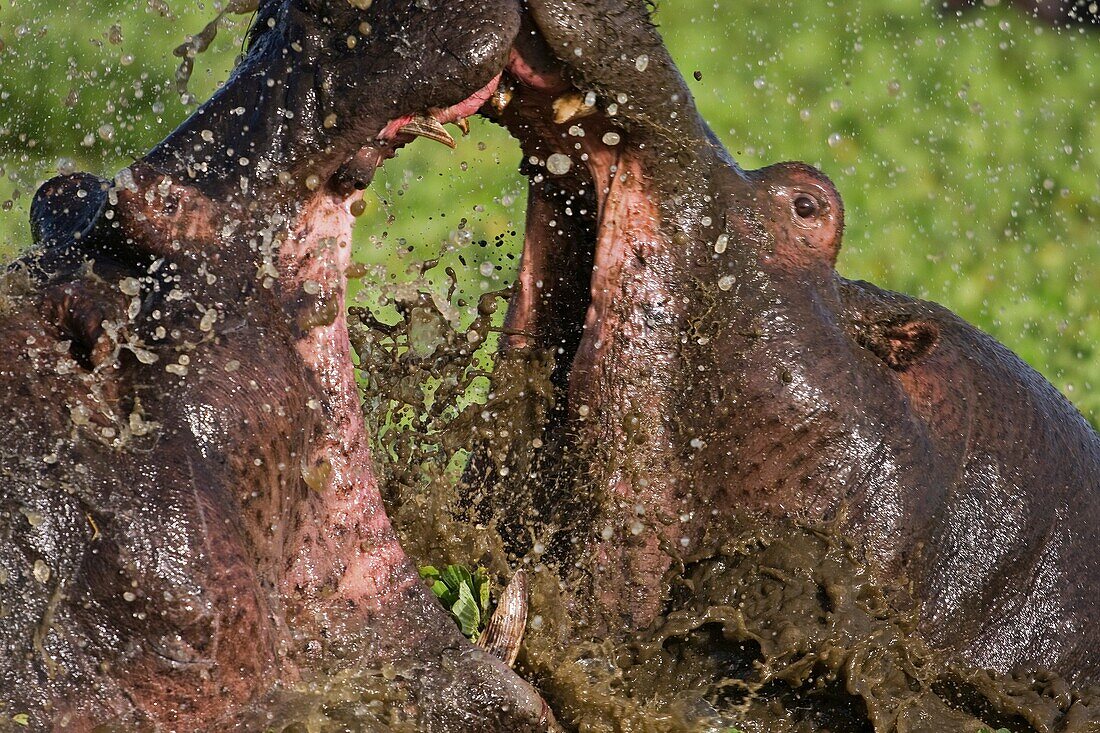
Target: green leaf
[[456, 576], [462, 592], [481, 583], [429, 572], [466, 612], [440, 589], [21, 719]]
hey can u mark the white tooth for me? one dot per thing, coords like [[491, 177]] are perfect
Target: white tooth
[[503, 635], [571, 106], [429, 127], [501, 98]]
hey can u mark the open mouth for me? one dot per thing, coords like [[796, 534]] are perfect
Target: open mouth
[[591, 221], [599, 289]]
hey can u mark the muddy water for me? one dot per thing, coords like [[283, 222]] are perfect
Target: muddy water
[[771, 628]]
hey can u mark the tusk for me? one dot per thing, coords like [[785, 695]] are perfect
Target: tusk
[[464, 125], [503, 635], [429, 127], [571, 106]]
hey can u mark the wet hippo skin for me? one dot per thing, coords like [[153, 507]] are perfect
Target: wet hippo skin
[[189, 511], [710, 360], [189, 519]]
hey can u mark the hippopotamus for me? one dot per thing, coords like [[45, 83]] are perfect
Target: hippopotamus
[[191, 517], [711, 361], [190, 522]]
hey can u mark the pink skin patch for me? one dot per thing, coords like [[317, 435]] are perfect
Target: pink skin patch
[[543, 82], [348, 543]]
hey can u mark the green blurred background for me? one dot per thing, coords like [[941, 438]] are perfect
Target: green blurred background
[[966, 148]]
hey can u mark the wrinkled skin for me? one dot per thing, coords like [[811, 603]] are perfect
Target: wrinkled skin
[[189, 520], [189, 541], [711, 361]]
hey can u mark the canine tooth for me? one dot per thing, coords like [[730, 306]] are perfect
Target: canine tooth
[[571, 106], [464, 125], [429, 127], [503, 635]]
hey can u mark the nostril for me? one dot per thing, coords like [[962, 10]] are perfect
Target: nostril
[[805, 206]]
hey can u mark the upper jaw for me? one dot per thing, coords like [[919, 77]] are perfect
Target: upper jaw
[[324, 84]]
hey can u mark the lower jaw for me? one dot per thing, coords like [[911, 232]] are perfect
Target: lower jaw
[[595, 290]]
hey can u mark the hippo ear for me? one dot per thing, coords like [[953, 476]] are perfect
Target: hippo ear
[[900, 343]]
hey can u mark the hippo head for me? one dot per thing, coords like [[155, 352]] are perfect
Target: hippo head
[[196, 518], [710, 362]]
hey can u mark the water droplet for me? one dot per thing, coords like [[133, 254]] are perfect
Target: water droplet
[[558, 164], [725, 282], [834, 139], [721, 243], [612, 138], [642, 62]]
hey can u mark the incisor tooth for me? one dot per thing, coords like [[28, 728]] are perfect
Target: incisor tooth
[[503, 635], [429, 127], [571, 106], [501, 97]]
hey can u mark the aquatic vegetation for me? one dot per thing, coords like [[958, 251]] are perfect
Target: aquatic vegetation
[[464, 592]]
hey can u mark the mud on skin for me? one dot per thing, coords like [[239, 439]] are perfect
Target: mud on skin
[[190, 525], [194, 515], [710, 364]]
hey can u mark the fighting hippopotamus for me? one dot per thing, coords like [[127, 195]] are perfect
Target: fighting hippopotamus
[[190, 524], [711, 361], [190, 514]]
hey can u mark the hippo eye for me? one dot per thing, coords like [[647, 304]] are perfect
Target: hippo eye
[[805, 206]]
